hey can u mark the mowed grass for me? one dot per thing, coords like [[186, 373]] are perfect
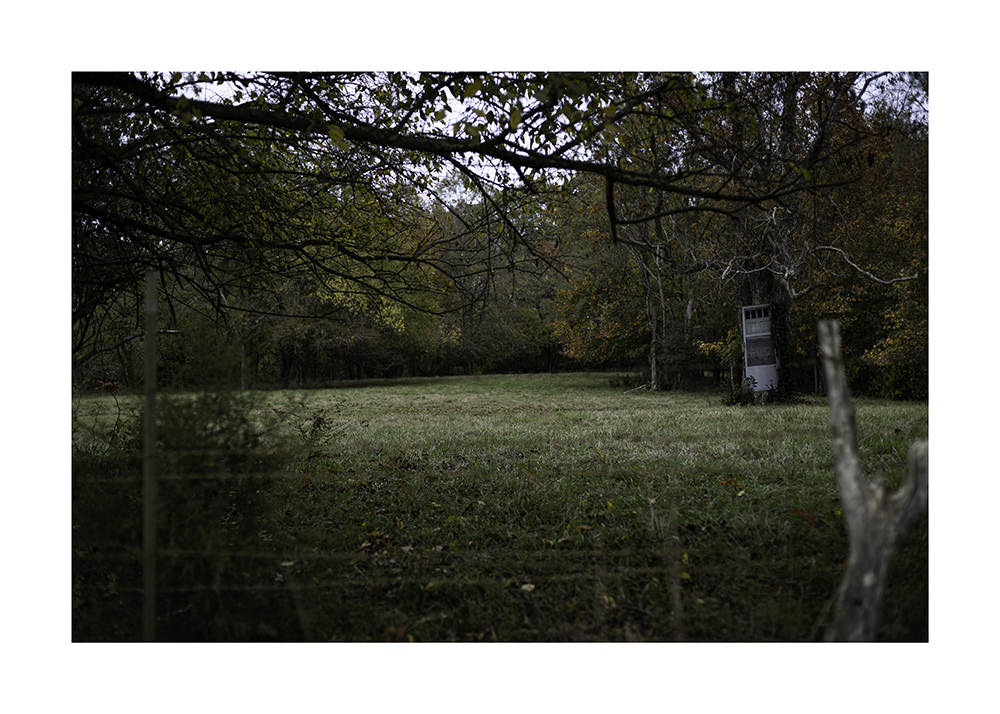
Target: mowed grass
[[523, 508]]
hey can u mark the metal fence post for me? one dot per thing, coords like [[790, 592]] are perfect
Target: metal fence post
[[149, 476]]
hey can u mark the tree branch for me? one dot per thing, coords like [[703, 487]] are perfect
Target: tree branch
[[854, 489], [77, 361], [876, 521], [364, 134], [861, 270]]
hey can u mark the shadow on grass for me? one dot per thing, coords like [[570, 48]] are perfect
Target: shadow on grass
[[609, 533]]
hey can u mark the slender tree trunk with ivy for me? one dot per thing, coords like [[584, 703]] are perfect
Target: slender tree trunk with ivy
[[876, 519]]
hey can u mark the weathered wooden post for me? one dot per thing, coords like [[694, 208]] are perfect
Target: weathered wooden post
[[876, 519], [149, 476]]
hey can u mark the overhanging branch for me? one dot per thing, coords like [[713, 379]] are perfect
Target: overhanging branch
[[77, 361], [369, 135]]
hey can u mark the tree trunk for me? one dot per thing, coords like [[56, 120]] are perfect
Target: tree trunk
[[665, 362], [654, 371], [876, 519], [688, 320], [644, 276]]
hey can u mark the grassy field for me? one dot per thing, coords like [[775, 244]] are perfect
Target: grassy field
[[512, 508]]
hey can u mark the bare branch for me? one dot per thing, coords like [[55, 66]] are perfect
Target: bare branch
[[870, 276], [853, 486], [876, 521], [77, 361]]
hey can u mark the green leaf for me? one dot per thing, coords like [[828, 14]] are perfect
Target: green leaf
[[472, 88], [336, 135], [804, 172], [515, 117]]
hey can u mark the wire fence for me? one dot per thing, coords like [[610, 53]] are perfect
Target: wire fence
[[216, 578], [263, 537], [209, 517], [205, 518]]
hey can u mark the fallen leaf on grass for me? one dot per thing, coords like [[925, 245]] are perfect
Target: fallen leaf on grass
[[806, 514]]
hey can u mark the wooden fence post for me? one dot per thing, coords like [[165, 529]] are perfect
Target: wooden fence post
[[149, 475], [876, 519]]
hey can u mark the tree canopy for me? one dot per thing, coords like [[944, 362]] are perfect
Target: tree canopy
[[323, 194]]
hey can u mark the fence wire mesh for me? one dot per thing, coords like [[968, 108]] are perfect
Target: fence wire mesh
[[437, 514], [262, 534]]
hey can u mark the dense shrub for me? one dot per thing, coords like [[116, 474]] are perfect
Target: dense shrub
[[889, 381], [217, 455]]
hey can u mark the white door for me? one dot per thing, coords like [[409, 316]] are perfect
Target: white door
[[760, 359]]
